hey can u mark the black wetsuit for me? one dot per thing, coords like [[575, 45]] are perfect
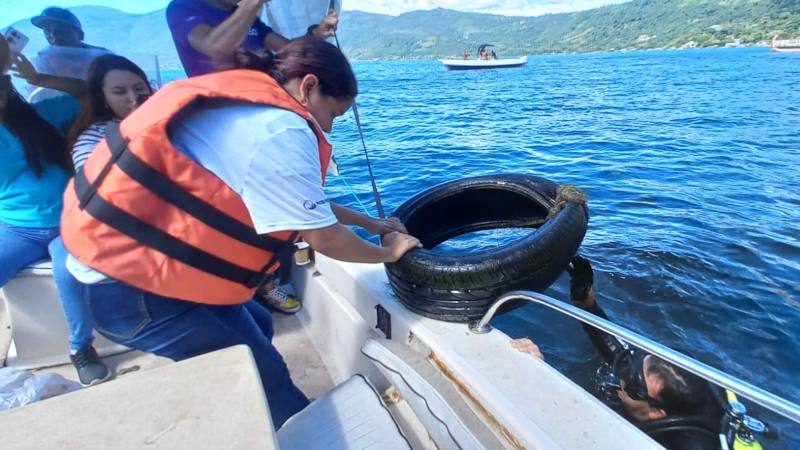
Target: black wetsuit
[[608, 347]]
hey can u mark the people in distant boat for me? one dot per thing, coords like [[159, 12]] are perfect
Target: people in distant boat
[[484, 55], [672, 405], [188, 220], [34, 169], [207, 32], [67, 55], [466, 55], [494, 55]]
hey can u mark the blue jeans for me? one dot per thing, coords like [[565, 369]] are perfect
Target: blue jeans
[[21, 247], [76, 310], [179, 329]]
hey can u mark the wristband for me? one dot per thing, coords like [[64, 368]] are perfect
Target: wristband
[[310, 31]]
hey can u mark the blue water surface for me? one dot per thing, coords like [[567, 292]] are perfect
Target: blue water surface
[[691, 160], [691, 163]]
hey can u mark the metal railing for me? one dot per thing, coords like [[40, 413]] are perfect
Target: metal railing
[[766, 399]]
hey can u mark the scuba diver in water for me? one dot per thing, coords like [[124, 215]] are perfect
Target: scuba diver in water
[[674, 407]]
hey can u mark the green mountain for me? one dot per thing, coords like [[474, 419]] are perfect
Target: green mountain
[[639, 24]]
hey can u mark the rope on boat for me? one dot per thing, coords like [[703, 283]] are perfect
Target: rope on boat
[[353, 192], [567, 193]]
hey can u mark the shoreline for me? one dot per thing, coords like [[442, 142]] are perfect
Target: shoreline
[[592, 52]]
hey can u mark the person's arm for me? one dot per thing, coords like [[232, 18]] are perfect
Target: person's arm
[[606, 344], [282, 190], [339, 242], [326, 28], [220, 42], [21, 67], [582, 294], [525, 345], [350, 216], [275, 41]]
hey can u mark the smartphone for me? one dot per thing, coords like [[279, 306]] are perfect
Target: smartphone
[[16, 40]]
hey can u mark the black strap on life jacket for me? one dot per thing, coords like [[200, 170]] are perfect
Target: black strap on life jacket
[[172, 193]]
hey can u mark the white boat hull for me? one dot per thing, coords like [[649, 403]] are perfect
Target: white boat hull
[[471, 64], [523, 400]]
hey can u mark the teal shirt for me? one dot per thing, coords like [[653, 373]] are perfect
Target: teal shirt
[[25, 199]]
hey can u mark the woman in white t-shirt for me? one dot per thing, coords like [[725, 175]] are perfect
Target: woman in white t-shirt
[[173, 231]]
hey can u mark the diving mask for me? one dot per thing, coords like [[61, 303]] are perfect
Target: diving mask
[[627, 373]]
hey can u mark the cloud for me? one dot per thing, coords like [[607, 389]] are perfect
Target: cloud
[[502, 7]]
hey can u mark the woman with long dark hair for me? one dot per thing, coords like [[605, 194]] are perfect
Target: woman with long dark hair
[[117, 86], [34, 170], [186, 206]]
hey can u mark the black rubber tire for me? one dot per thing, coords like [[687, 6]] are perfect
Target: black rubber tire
[[460, 287]]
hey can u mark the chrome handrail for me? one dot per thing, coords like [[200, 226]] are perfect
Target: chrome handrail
[[766, 399]]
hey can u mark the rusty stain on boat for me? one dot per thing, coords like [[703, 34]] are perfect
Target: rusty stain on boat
[[491, 420]]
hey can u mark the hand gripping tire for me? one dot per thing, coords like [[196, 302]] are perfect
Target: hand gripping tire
[[460, 287]]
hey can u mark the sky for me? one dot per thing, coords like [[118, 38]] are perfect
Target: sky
[[13, 10]]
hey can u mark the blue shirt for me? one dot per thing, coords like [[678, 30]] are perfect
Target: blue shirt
[[184, 15], [25, 199]]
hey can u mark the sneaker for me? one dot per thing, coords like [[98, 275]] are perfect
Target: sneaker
[[91, 369], [279, 300]]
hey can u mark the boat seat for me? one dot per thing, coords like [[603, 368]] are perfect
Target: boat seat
[[209, 402], [350, 416], [449, 420], [39, 333]]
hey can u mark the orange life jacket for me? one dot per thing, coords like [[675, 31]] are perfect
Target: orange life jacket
[[143, 213]]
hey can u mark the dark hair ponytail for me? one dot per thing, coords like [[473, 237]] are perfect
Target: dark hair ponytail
[[302, 57], [41, 142]]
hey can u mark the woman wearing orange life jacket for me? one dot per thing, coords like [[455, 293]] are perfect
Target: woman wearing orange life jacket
[[179, 214]]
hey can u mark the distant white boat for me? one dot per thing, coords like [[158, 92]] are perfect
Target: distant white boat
[[486, 59], [468, 64]]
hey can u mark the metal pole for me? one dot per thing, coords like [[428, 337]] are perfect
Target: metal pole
[[158, 73], [766, 399], [375, 193]]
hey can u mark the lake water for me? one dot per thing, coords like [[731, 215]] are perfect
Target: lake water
[[690, 159]]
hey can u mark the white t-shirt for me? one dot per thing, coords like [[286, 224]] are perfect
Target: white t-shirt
[[267, 155]]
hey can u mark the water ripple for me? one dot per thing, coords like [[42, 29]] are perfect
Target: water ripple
[[690, 161]]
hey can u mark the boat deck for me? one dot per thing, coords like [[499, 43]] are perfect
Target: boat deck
[[307, 369]]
